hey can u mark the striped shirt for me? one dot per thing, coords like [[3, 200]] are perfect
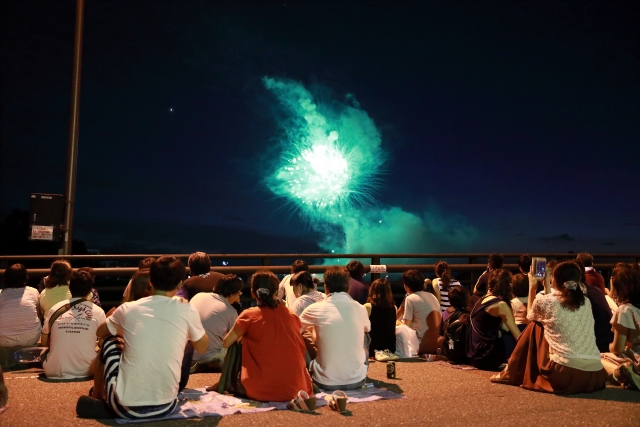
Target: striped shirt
[[444, 295], [19, 311]]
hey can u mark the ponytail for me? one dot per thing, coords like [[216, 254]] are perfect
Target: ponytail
[[444, 272]]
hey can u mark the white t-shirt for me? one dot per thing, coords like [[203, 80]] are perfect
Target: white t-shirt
[[218, 318], [519, 309], [72, 340], [19, 311], [340, 324], [155, 330], [305, 301], [417, 307], [285, 289]]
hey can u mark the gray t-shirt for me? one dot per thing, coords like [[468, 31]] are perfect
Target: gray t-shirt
[[217, 316]]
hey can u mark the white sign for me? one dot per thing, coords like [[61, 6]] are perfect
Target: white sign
[[42, 232], [378, 268]]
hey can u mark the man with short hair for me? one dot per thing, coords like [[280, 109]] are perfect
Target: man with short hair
[[592, 277], [494, 262], [524, 264], [358, 289], [341, 325], [72, 337], [141, 372], [202, 278], [285, 290], [421, 311]]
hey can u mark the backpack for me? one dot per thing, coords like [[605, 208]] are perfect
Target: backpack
[[455, 334]]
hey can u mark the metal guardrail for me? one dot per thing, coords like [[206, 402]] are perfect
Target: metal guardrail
[[110, 281]]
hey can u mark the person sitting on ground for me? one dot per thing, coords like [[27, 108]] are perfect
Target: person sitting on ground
[[71, 337], [143, 265], [520, 286], [139, 286], [305, 291], [557, 352], [285, 290], [218, 317], [624, 351], [382, 315], [56, 286], [202, 278], [443, 283], [95, 296], [341, 326], [480, 289], [488, 344], [358, 289], [20, 310], [592, 277], [139, 374], [524, 265], [453, 328], [273, 354], [601, 311], [421, 312]]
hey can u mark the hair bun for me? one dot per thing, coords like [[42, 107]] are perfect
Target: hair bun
[[263, 292]]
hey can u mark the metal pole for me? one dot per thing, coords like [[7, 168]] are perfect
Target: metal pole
[[72, 147]]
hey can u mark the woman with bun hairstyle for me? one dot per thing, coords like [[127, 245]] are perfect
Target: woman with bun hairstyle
[[273, 353], [442, 284], [557, 352], [624, 352]]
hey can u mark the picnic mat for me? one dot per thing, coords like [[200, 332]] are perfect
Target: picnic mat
[[199, 403]]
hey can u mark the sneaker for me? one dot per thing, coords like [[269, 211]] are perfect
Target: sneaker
[[385, 356]]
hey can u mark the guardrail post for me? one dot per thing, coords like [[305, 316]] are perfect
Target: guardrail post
[[266, 262], [375, 261]]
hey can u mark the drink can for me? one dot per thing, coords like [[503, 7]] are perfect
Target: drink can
[[391, 370]]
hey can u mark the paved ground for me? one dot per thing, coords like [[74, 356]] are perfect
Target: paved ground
[[437, 395]]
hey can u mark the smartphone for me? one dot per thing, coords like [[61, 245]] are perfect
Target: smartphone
[[539, 266]]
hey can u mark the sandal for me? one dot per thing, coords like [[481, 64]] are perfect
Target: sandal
[[625, 375], [303, 403], [338, 402], [501, 377]]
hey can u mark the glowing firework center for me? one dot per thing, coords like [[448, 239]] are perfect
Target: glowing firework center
[[319, 175]]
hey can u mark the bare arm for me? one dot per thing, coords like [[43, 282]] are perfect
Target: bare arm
[[619, 339], [103, 331], [503, 311], [234, 335], [436, 292], [369, 308], [533, 286], [44, 340], [202, 344]]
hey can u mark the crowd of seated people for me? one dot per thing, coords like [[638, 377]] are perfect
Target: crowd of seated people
[[555, 334]]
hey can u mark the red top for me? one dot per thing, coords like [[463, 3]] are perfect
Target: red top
[[273, 354]]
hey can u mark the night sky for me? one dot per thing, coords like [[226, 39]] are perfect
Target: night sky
[[507, 126]]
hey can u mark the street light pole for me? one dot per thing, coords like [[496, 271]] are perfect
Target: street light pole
[[72, 147]]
